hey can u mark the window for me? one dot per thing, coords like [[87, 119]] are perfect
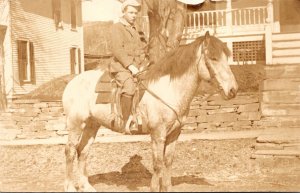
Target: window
[[73, 14], [26, 65], [56, 6], [75, 60]]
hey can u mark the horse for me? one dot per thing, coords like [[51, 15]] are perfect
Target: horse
[[171, 84]]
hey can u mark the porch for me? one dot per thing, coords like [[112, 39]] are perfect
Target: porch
[[231, 21], [247, 31]]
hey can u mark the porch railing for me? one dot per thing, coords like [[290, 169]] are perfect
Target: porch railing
[[249, 16], [218, 19], [4, 8]]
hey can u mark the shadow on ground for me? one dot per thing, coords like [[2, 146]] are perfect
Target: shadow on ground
[[134, 174]]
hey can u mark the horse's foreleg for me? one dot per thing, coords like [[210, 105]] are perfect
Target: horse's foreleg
[[75, 132], [168, 160], [158, 144], [87, 139]]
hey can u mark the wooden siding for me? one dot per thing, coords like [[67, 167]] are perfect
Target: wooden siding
[[34, 22], [7, 51]]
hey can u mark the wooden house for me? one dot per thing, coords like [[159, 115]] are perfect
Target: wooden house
[[39, 40]]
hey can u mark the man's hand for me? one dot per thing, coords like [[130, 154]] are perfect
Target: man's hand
[[134, 70]]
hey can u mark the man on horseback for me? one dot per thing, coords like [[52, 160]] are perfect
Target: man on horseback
[[128, 54]]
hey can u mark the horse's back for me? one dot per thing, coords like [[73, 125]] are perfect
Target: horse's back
[[80, 91]]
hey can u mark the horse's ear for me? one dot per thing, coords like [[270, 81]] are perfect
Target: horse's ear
[[206, 39], [207, 34]]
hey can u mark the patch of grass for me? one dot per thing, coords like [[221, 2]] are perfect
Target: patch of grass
[[50, 91], [248, 77]]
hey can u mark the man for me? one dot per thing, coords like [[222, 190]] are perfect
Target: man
[[127, 49]]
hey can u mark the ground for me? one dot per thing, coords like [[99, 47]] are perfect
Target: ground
[[199, 165]]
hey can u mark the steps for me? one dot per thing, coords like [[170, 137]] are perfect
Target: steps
[[286, 48], [280, 100], [283, 142]]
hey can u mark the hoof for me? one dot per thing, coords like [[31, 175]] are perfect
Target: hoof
[[69, 187], [88, 188]]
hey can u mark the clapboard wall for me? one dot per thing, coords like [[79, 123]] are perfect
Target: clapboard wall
[[34, 22]]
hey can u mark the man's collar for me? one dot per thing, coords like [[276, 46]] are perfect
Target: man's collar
[[124, 22]]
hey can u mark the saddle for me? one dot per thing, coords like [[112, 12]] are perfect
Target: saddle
[[109, 92]]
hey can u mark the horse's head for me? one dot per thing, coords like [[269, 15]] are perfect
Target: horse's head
[[213, 65]]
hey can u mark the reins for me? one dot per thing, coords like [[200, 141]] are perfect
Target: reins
[[161, 100], [164, 102]]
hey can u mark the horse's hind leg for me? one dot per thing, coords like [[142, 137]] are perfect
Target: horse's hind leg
[[87, 139], [75, 131]]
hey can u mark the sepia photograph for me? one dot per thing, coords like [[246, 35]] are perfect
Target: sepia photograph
[[149, 95]]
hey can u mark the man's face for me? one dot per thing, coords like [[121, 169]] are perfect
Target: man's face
[[130, 14]]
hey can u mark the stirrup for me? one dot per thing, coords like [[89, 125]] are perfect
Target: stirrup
[[133, 126], [128, 124]]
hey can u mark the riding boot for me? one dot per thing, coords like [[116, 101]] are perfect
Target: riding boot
[[126, 104]]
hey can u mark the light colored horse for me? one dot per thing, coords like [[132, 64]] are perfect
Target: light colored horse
[[171, 83]]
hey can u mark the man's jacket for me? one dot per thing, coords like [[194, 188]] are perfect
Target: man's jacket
[[127, 46]]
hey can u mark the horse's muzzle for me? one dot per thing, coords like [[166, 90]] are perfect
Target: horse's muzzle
[[232, 93]]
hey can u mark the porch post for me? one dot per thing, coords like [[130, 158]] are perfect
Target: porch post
[[229, 16], [268, 33], [270, 12]]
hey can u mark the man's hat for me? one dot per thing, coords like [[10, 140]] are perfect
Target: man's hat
[[134, 3]]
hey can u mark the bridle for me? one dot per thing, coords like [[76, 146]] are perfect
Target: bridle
[[212, 73]]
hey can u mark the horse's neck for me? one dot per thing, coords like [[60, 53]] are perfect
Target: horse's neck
[[178, 92]]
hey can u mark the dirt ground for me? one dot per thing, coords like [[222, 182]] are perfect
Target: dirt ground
[[199, 165]]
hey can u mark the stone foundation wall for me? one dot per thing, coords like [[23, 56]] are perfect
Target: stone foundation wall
[[240, 113], [34, 119], [28, 119]]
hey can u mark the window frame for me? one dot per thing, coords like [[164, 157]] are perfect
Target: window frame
[[26, 62], [73, 12], [57, 14], [75, 60]]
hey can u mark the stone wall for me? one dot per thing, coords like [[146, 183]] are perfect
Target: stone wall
[[28, 119], [215, 113], [32, 119]]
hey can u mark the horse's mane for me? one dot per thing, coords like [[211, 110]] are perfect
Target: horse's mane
[[178, 61]]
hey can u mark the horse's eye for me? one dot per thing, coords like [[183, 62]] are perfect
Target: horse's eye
[[214, 59]]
